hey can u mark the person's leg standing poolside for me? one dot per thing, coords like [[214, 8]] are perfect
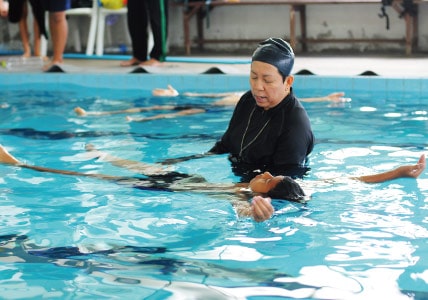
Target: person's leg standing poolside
[[23, 30], [140, 14], [137, 26], [58, 27], [159, 25]]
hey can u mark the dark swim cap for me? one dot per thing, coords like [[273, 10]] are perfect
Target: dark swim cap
[[276, 52], [287, 189]]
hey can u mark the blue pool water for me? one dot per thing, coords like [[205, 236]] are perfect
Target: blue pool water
[[350, 241]]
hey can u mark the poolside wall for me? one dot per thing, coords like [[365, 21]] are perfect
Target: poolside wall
[[333, 21]]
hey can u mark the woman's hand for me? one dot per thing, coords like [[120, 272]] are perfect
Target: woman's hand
[[261, 208]]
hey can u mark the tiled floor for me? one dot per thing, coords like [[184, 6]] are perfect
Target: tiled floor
[[331, 65]]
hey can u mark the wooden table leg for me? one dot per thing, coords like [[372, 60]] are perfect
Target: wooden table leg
[[409, 33], [293, 26], [187, 16], [200, 28], [415, 29], [303, 27], [301, 9]]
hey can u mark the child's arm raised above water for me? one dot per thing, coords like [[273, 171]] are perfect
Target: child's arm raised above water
[[406, 171]]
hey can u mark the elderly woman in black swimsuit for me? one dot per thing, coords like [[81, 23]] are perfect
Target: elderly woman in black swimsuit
[[262, 187], [269, 129]]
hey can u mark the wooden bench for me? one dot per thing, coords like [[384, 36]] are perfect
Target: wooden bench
[[197, 9]]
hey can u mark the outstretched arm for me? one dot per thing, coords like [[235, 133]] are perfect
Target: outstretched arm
[[333, 97], [213, 95], [82, 112], [232, 98], [409, 171], [181, 113]]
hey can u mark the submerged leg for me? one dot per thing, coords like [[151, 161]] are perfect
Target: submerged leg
[[7, 158], [132, 165], [82, 112]]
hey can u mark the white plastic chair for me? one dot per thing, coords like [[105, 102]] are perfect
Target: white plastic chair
[[92, 13], [102, 15]]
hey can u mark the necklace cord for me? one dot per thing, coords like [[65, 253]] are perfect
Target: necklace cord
[[245, 133]]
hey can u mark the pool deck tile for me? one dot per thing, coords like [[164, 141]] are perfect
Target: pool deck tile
[[338, 65]]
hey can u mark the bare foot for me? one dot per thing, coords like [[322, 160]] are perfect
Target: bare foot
[[51, 64], [131, 62], [151, 62], [169, 92], [80, 111], [6, 157]]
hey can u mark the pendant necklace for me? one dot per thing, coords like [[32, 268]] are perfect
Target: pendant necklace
[[245, 133]]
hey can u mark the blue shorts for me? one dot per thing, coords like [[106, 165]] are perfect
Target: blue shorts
[[56, 5]]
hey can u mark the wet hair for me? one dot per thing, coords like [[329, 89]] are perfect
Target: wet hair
[[287, 189], [276, 52]]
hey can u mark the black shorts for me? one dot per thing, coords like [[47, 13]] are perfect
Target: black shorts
[[56, 5], [16, 8]]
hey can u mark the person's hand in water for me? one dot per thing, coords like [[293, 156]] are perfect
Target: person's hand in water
[[262, 208]]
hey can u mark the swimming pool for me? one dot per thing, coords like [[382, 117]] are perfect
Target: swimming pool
[[351, 241]]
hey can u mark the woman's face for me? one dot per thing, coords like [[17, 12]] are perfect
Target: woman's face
[[267, 84], [263, 183]]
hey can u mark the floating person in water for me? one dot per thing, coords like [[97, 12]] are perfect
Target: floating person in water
[[224, 100], [262, 188]]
